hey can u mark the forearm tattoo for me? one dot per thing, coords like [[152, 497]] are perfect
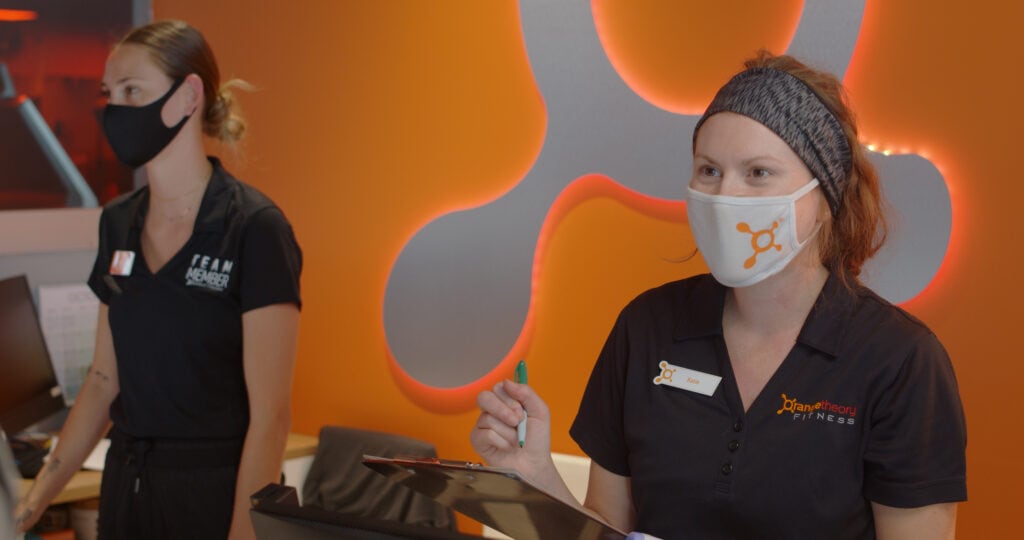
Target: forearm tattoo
[[100, 374], [22, 518]]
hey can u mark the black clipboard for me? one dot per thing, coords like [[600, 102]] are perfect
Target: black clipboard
[[498, 498]]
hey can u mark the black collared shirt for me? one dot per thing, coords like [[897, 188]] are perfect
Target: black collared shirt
[[178, 333], [864, 408]]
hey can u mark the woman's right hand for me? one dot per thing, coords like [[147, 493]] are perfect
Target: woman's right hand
[[495, 435]]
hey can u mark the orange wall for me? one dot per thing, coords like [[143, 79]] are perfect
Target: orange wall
[[370, 120]]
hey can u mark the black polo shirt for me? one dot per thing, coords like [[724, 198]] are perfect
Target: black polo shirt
[[864, 408], [178, 333]]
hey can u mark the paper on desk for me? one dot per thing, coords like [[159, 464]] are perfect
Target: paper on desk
[[67, 314], [97, 457]]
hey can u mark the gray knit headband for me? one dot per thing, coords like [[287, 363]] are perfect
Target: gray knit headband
[[788, 107]]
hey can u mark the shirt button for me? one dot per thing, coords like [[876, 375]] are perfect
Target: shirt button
[[727, 468], [734, 445], [738, 426]]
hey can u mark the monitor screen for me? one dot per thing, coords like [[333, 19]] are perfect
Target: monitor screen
[[29, 391]]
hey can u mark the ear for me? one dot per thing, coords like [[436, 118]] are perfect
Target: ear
[[194, 96]]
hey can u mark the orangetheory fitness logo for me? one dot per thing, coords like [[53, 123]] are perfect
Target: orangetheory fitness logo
[[756, 242], [821, 411]]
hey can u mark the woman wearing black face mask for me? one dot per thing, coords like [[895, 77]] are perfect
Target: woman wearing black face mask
[[198, 277]]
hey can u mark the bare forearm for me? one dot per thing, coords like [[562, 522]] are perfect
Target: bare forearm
[[262, 457], [549, 480], [269, 340], [88, 421], [936, 521]]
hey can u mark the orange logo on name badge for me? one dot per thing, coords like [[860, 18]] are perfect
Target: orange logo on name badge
[[121, 263]]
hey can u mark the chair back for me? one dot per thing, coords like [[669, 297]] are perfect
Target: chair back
[[338, 481]]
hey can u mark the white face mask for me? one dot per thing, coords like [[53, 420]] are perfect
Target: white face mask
[[746, 239]]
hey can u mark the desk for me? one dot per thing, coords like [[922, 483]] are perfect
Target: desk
[[85, 485]]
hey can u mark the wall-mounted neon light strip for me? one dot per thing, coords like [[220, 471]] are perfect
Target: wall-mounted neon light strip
[[17, 15]]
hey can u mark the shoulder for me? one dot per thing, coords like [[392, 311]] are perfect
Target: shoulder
[[119, 213], [890, 339], [874, 315], [246, 204], [245, 199]]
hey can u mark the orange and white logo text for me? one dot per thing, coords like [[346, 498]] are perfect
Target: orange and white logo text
[[822, 411]]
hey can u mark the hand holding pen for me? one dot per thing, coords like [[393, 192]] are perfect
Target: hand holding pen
[[505, 414]]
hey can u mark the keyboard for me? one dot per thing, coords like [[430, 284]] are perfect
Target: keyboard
[[29, 456]]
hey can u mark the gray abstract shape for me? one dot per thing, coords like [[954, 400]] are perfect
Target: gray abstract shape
[[459, 292], [920, 226], [827, 35]]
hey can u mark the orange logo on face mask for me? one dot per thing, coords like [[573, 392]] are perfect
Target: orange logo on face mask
[[756, 243]]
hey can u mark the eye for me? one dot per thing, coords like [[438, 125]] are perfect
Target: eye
[[708, 170], [759, 172]]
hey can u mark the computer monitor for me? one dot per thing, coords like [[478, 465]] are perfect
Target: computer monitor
[[29, 392]]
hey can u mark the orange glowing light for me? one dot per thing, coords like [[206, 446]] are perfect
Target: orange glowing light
[[17, 15]]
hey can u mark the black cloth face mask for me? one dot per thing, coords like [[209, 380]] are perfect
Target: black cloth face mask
[[138, 134]]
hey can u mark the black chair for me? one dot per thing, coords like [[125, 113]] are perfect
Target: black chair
[[339, 482]]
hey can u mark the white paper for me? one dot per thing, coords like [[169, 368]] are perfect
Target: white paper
[[67, 314], [97, 457]]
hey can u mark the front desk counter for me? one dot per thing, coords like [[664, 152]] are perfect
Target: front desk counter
[[85, 485]]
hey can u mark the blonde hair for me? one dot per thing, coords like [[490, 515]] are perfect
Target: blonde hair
[[180, 50]]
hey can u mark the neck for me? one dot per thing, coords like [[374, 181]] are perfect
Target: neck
[[177, 180], [178, 169], [779, 302]]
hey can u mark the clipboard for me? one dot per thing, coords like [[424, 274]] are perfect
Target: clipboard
[[498, 498]]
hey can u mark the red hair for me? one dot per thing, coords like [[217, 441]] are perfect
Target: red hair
[[859, 228]]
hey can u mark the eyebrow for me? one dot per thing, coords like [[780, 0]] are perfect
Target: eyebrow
[[121, 80], [705, 157], [760, 158]]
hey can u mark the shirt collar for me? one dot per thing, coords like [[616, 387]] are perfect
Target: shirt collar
[[827, 322], [214, 207], [822, 330]]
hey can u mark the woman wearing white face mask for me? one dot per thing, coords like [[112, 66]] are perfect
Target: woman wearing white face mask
[[777, 397]]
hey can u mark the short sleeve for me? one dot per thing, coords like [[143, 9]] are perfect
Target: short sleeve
[[271, 261], [101, 266], [916, 450], [598, 427]]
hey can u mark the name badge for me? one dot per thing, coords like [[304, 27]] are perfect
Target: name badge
[[121, 263], [687, 379]]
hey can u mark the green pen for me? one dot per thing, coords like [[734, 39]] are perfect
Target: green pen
[[520, 377]]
